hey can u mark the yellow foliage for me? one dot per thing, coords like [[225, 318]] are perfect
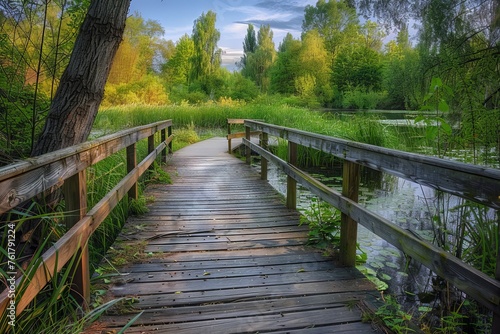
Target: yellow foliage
[[229, 102]]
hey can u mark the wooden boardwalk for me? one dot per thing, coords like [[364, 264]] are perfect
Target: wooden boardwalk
[[228, 257]]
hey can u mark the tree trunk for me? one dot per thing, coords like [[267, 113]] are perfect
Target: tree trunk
[[80, 91], [81, 88]]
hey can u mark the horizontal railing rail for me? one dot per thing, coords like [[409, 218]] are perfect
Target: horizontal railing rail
[[234, 135], [22, 181], [475, 183]]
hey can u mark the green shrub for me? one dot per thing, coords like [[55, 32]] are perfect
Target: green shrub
[[358, 99]]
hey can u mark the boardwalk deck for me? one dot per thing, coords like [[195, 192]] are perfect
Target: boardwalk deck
[[228, 257]]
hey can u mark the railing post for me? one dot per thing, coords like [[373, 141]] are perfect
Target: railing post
[[349, 227], [248, 151], [229, 149], [75, 197], [151, 147], [170, 145], [163, 137], [264, 142], [495, 328], [131, 164], [291, 184]]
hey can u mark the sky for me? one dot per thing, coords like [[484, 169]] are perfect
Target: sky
[[233, 16]]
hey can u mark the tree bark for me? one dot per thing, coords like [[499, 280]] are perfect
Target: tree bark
[[81, 87]]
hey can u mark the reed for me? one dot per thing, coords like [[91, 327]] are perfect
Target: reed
[[214, 116]]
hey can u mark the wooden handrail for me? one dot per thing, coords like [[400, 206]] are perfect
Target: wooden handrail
[[476, 183], [437, 173], [230, 136], [24, 180]]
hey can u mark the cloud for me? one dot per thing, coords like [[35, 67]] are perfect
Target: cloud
[[279, 14]]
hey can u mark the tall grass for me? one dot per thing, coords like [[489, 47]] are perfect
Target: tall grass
[[53, 310], [215, 116]]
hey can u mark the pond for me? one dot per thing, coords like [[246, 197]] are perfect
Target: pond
[[405, 203]]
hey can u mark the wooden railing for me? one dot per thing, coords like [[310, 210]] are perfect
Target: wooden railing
[[20, 182], [472, 182], [234, 135]]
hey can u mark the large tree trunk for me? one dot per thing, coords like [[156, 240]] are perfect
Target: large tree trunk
[[81, 88], [80, 91]]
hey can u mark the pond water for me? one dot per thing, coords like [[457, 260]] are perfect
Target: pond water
[[405, 203], [392, 198]]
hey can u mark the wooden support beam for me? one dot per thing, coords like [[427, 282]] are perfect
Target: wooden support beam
[[170, 147], [229, 148], [291, 184], [163, 137], [248, 151], [264, 143], [133, 193], [349, 227], [151, 147], [75, 197], [495, 328]]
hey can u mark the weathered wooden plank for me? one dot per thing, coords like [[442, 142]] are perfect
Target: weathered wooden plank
[[179, 297], [240, 309], [259, 323], [192, 217], [235, 121], [234, 234], [263, 263], [210, 272], [75, 197], [237, 258], [226, 238], [338, 279], [242, 134], [228, 245], [169, 228]]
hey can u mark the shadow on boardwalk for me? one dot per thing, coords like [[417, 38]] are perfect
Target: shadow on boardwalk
[[226, 256]]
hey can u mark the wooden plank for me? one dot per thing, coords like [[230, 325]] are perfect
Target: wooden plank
[[240, 309], [247, 255], [321, 270], [271, 263], [242, 134], [259, 323], [235, 121], [179, 297], [338, 280]]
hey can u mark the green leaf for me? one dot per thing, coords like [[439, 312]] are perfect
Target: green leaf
[[419, 118], [443, 106], [436, 83], [431, 132], [446, 127]]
